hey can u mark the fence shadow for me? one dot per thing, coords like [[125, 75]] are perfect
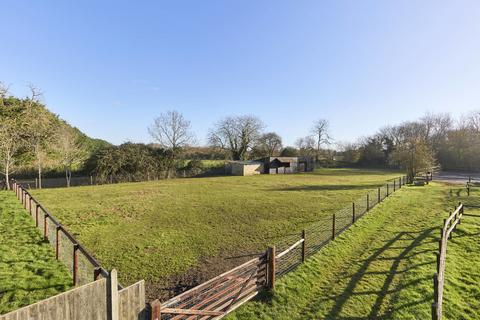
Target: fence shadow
[[348, 292], [326, 187]]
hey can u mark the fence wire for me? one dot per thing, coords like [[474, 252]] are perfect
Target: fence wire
[[322, 231]]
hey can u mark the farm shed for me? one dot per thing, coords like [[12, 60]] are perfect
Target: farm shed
[[272, 165], [246, 168], [281, 165]]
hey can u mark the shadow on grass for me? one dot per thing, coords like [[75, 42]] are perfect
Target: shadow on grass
[[348, 291], [327, 187]]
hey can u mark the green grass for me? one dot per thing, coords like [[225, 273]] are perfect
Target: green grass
[[382, 268], [28, 269], [153, 230]]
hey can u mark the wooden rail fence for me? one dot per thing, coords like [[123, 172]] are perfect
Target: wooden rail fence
[[82, 265], [449, 225]]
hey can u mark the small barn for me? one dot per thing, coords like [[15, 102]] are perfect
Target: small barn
[[272, 165], [246, 168], [283, 165]]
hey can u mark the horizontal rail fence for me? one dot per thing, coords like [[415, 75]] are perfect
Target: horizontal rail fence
[[449, 225], [222, 294], [82, 265]]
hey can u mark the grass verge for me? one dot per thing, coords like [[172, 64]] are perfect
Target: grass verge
[[382, 268], [28, 269]]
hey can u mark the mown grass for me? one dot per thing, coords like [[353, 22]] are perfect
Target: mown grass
[[382, 268], [28, 269], [153, 230]]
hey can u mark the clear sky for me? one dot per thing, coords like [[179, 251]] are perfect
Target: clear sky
[[109, 67]]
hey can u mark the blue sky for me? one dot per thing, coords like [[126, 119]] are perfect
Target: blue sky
[[109, 67]]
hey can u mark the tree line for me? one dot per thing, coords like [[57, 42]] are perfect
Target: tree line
[[34, 139], [432, 140]]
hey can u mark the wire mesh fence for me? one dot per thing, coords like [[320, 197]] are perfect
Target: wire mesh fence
[[321, 232]]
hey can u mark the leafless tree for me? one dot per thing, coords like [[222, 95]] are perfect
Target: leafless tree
[[40, 130], [11, 139], [269, 144], [472, 121], [321, 134], [306, 146], [236, 135], [172, 132], [3, 93], [70, 150]]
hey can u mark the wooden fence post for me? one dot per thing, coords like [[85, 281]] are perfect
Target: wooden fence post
[[96, 273], [434, 311], [435, 296], [387, 190], [155, 313], [333, 226], [303, 246], [271, 268], [353, 212], [112, 296], [45, 226], [399, 182], [37, 211], [378, 198], [368, 202], [394, 185], [30, 205], [57, 242], [75, 264], [468, 190], [438, 261]]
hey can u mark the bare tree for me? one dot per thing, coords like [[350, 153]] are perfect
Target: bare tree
[[306, 146], [40, 130], [320, 131], [472, 121], [269, 144], [70, 150], [11, 141], [236, 135], [171, 131], [3, 93]]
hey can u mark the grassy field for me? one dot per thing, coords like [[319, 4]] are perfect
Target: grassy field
[[382, 268], [28, 269], [165, 229]]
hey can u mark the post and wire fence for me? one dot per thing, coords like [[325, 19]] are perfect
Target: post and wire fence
[[83, 267], [223, 294]]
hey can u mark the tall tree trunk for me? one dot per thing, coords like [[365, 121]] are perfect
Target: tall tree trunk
[[7, 177]]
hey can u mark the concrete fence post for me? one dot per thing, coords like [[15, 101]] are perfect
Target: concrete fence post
[[112, 296]]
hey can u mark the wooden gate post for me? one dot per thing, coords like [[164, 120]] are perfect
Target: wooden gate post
[[303, 246], [155, 312], [271, 268]]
